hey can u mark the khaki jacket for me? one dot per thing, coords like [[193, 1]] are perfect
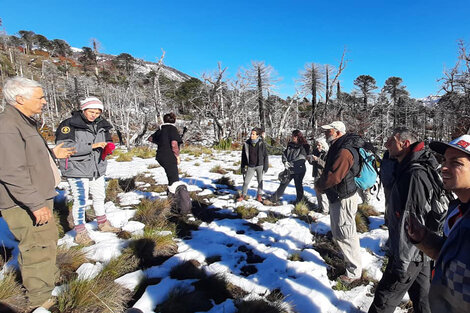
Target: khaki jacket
[[26, 176]]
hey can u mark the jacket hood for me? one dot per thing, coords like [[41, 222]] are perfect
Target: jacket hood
[[419, 154]]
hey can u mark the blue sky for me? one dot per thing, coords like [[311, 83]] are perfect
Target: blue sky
[[410, 39]]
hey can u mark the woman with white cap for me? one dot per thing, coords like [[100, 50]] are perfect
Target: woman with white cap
[[88, 132]]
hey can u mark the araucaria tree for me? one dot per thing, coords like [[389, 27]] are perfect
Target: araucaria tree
[[365, 84], [311, 83]]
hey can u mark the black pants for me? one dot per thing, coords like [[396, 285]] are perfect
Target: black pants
[[392, 288], [299, 188], [171, 170]]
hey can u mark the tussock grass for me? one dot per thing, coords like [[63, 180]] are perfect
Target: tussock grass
[[238, 163], [301, 208], [113, 189], [367, 210], [156, 165], [196, 151], [145, 179], [125, 263], [295, 257], [364, 280], [271, 218], [218, 169], [197, 164], [183, 301], [224, 144], [68, 261], [154, 242], [125, 157], [224, 180], [330, 254], [153, 213], [207, 160], [213, 259], [246, 212], [60, 228], [157, 188], [11, 292], [143, 152], [98, 295], [362, 222], [219, 289], [187, 270], [237, 171], [261, 305]]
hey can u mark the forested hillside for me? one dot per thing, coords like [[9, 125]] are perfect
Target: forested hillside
[[216, 108]]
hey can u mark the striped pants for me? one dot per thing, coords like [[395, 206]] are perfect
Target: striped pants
[[81, 189]]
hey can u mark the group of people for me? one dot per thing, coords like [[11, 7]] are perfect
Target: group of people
[[414, 244], [29, 175]]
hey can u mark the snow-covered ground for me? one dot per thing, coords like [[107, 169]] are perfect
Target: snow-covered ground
[[305, 284]]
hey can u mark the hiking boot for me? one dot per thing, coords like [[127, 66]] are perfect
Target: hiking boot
[[107, 227], [82, 238], [270, 202], [259, 199], [241, 198]]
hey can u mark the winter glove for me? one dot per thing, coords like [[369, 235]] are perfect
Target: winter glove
[[288, 165], [108, 149]]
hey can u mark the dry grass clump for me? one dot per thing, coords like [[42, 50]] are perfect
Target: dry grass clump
[[145, 179], [246, 212], [143, 152], [261, 305], [196, 151], [97, 295], [153, 213], [224, 180], [11, 292], [362, 222], [184, 301], [187, 270], [155, 165], [301, 208], [218, 169], [157, 188], [271, 218], [113, 189], [367, 210], [125, 157], [57, 219], [295, 257], [68, 261], [127, 262], [330, 254], [153, 240]]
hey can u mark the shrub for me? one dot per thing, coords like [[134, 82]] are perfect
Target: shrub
[[218, 169], [246, 212], [11, 292], [224, 144]]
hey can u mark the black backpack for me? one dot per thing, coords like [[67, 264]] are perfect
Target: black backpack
[[439, 199], [180, 200]]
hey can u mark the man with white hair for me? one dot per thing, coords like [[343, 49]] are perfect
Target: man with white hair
[[28, 177], [337, 182]]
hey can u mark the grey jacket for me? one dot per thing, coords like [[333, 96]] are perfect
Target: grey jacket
[[26, 177], [77, 132]]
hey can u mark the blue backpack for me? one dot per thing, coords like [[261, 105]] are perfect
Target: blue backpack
[[367, 176]]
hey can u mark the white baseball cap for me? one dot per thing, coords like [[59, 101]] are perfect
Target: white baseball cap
[[461, 143], [338, 125]]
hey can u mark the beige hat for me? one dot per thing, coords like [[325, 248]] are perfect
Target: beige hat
[[338, 125]]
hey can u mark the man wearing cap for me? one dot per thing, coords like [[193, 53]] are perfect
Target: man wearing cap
[[88, 132], [450, 286], [337, 182], [28, 176], [408, 270]]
